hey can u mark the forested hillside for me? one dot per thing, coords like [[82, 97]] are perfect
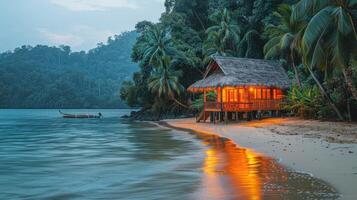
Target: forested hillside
[[315, 40], [54, 77]]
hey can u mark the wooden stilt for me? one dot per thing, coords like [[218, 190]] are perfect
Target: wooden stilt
[[226, 117]]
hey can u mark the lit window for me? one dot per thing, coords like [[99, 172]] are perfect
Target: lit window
[[279, 94], [259, 93], [268, 94], [241, 95], [224, 97], [264, 94], [231, 95]]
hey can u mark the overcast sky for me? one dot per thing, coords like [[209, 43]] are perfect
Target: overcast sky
[[80, 24]]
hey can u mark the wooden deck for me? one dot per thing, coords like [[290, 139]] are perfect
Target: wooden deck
[[253, 105]]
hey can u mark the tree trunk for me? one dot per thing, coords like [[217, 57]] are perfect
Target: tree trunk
[[349, 109], [348, 74], [179, 103], [322, 89], [199, 19], [297, 77]]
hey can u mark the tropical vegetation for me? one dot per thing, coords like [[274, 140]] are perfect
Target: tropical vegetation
[[315, 40], [55, 77]]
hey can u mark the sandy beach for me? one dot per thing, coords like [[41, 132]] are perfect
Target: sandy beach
[[327, 150]]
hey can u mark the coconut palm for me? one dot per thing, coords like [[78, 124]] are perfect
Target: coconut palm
[[285, 38], [223, 36], [250, 45], [165, 81], [330, 37], [157, 42]]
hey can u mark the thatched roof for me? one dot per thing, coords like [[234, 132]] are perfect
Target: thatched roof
[[231, 71]]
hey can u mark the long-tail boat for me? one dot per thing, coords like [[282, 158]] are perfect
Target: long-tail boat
[[65, 115]]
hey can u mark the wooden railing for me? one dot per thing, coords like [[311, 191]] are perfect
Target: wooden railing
[[246, 106], [237, 106], [213, 106], [271, 104]]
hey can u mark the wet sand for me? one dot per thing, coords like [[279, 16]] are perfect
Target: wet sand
[[327, 150]]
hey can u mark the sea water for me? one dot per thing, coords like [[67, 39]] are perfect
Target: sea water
[[43, 156]]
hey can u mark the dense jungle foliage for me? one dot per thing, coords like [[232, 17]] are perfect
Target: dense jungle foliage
[[55, 77], [315, 40]]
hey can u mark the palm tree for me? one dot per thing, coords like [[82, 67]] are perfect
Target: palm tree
[[157, 42], [330, 37], [223, 36], [165, 81], [285, 38], [250, 44]]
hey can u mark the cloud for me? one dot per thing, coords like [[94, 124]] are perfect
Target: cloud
[[95, 5], [59, 39], [79, 37]]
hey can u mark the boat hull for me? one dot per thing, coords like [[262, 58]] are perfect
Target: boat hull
[[81, 116]]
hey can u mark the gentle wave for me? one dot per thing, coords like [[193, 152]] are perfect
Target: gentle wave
[[43, 156]]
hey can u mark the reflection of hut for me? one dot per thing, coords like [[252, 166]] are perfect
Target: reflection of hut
[[241, 85]]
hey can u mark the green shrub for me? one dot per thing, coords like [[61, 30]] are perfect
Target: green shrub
[[304, 102], [197, 104]]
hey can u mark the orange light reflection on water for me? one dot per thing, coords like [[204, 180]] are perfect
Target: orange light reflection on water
[[233, 173]]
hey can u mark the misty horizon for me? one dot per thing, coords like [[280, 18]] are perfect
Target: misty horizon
[[75, 23]]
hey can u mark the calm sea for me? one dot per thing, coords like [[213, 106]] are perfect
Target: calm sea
[[43, 156]]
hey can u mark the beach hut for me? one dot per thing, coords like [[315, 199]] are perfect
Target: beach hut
[[235, 88]]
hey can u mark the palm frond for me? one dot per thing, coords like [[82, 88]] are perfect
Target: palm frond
[[270, 44], [286, 41], [273, 52], [306, 8], [343, 20], [316, 27]]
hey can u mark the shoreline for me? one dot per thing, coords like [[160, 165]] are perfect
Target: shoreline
[[297, 144]]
